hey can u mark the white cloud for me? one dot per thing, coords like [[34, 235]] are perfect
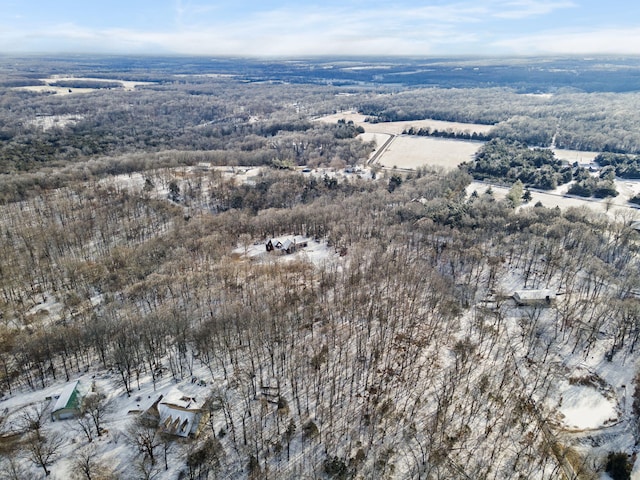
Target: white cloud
[[520, 9], [605, 41], [464, 27]]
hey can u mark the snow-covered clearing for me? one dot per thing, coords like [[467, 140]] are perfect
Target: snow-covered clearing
[[313, 252], [127, 85], [47, 122], [396, 128], [121, 411], [573, 156], [584, 407], [411, 152], [58, 90], [55, 90]]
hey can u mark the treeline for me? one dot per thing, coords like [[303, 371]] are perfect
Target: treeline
[[85, 83], [447, 133], [504, 161], [625, 166]]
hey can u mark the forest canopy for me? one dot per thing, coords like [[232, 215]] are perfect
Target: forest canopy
[[504, 161], [387, 334]]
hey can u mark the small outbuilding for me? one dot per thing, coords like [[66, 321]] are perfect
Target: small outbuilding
[[541, 297], [68, 403]]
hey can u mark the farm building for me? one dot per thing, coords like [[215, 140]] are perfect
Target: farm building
[[534, 297], [180, 414], [68, 403]]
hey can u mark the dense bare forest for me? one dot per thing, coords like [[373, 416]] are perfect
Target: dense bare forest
[[133, 258]]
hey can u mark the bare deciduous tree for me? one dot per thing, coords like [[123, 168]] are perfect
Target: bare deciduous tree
[[43, 449]]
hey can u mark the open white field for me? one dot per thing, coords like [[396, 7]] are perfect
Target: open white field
[[572, 156], [126, 84], [412, 152], [396, 128], [378, 138], [56, 90]]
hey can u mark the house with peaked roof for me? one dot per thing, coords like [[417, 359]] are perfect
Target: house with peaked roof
[[181, 414], [68, 402], [287, 245]]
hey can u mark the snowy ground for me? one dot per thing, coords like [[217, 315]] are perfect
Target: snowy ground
[[396, 128], [56, 90], [122, 410], [584, 407], [411, 152], [558, 198], [315, 252], [51, 121]]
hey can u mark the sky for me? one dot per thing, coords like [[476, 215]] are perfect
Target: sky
[[284, 28]]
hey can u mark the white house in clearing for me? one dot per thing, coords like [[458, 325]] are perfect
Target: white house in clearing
[[534, 297]]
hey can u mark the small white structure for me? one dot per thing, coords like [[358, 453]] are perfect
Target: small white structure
[[534, 297], [180, 414], [68, 403]]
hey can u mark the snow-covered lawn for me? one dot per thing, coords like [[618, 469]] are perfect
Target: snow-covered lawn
[[585, 407]]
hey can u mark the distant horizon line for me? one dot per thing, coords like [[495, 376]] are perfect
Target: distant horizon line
[[470, 56]]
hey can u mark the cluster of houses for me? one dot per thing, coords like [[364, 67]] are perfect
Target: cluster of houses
[[175, 413]]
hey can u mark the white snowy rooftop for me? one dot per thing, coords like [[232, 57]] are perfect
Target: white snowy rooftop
[[65, 396]]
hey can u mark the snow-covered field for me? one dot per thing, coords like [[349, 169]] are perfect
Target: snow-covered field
[[57, 90], [396, 128], [573, 156], [411, 152]]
